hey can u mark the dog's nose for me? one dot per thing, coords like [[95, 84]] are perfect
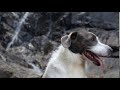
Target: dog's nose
[[110, 51]]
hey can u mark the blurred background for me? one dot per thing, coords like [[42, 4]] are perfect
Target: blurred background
[[27, 40]]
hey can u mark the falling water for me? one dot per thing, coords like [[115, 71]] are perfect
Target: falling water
[[50, 26], [22, 20], [36, 69], [81, 13], [14, 14]]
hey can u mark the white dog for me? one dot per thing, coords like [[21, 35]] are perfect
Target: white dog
[[69, 60]]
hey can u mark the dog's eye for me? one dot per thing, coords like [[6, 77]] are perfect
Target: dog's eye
[[93, 38]]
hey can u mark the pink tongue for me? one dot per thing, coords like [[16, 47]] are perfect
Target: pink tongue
[[103, 68], [102, 64]]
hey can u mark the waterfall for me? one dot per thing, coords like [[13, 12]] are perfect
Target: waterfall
[[50, 25], [22, 20], [36, 69]]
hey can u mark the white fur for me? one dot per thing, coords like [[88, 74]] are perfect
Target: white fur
[[100, 48], [65, 64]]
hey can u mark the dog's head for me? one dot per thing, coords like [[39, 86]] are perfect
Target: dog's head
[[87, 44]]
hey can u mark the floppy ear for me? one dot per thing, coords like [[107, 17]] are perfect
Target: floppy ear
[[66, 41]]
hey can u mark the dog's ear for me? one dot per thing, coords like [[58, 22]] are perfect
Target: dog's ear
[[66, 40], [73, 36]]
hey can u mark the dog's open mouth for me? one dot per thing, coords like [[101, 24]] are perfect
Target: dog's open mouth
[[93, 57]]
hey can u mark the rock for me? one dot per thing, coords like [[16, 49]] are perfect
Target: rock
[[7, 56], [103, 20], [30, 56], [112, 74], [110, 38], [111, 68], [5, 74], [43, 44], [12, 66], [12, 70]]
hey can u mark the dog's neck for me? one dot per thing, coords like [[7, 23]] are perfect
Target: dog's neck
[[74, 63], [66, 54]]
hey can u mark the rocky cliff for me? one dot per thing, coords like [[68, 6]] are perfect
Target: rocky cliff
[[40, 34]]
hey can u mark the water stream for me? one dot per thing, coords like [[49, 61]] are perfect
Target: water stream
[[18, 29], [36, 69]]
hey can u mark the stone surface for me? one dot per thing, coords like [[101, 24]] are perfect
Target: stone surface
[[111, 68]]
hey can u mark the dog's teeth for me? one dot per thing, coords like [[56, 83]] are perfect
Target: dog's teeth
[[87, 54], [91, 57]]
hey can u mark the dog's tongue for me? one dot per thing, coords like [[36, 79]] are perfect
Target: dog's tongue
[[101, 63], [94, 58]]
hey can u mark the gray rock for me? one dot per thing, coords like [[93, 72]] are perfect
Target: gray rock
[[107, 37], [12, 66], [111, 68], [103, 20], [12, 70]]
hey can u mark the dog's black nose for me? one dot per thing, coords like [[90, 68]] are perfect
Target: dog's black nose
[[110, 51]]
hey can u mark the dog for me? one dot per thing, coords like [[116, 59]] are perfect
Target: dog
[[68, 61]]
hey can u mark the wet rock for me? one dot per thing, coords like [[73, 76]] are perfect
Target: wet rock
[[111, 68], [42, 44], [103, 20], [17, 66], [110, 38], [7, 56], [12, 70], [5, 74], [30, 56]]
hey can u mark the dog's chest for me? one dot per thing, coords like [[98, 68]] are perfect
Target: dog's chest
[[65, 64], [72, 65], [75, 71]]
